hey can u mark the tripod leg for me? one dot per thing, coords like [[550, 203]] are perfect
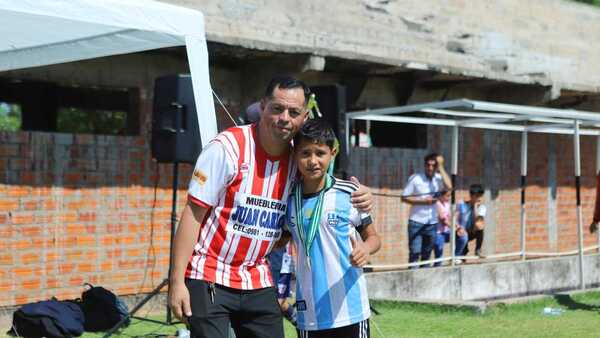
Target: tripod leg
[[136, 308]]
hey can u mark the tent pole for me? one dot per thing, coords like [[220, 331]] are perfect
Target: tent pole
[[453, 172], [598, 171], [347, 145], [578, 198], [523, 185]]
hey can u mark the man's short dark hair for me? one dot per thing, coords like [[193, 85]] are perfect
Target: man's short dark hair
[[476, 189], [287, 82], [431, 157], [316, 130]]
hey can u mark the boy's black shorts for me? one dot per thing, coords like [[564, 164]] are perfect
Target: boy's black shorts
[[251, 313], [357, 330]]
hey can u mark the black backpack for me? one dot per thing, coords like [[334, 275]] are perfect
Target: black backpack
[[49, 318], [102, 309]]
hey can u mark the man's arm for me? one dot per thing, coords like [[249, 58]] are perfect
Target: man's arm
[[409, 189], [440, 166], [183, 246], [361, 251], [362, 199], [415, 200], [283, 240]]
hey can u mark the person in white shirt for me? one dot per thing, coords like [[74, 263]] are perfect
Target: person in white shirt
[[421, 193]]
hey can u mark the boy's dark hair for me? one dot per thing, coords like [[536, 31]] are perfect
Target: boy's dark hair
[[286, 82], [476, 189], [316, 130], [431, 157]]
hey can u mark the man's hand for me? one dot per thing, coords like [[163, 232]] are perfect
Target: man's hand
[[179, 300], [362, 198], [593, 227], [440, 161], [359, 255], [429, 200], [461, 231]]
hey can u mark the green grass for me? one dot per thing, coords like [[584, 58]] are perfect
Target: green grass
[[580, 319]]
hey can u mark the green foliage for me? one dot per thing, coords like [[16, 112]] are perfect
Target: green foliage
[[10, 117], [591, 2], [82, 121]]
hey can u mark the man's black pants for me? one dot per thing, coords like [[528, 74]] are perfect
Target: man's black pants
[[251, 313]]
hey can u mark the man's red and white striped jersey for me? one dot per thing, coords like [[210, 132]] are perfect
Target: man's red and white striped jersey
[[246, 192]]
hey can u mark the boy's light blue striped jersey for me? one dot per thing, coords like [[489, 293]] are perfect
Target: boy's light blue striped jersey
[[330, 292]]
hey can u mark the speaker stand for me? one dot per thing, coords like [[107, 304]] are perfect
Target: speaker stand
[[165, 282]]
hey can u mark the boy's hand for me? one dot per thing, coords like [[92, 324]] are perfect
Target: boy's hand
[[362, 198], [359, 255]]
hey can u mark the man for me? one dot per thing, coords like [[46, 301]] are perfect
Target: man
[[420, 192], [470, 218], [235, 209]]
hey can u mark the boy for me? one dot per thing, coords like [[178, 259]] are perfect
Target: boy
[[470, 221], [331, 297]]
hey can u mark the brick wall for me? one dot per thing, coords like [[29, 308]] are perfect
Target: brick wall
[[91, 208], [81, 208], [491, 158]]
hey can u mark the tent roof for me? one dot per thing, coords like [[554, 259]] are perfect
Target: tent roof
[[44, 32], [487, 115], [36, 33]]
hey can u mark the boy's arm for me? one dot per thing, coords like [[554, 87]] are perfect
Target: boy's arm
[[480, 212], [361, 251]]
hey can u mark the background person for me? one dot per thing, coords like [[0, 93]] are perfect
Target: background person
[[443, 228], [420, 192], [470, 221]]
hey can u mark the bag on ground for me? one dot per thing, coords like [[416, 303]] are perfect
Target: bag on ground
[[49, 318], [102, 309]]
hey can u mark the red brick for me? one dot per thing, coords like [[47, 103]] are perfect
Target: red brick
[[32, 284], [9, 150], [9, 204], [29, 258]]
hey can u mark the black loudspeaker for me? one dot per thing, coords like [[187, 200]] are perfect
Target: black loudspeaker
[[332, 104], [175, 130]]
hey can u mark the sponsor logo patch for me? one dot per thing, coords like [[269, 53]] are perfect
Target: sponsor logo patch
[[244, 167], [300, 305], [332, 219], [200, 177]]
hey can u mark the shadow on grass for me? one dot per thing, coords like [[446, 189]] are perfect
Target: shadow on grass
[[571, 304]]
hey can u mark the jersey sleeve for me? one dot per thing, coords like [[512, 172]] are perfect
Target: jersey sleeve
[[482, 210], [214, 170]]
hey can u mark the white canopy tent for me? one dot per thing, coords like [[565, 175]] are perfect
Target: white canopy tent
[[44, 32], [505, 117]]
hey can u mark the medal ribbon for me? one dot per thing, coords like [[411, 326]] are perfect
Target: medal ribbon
[[307, 236]]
